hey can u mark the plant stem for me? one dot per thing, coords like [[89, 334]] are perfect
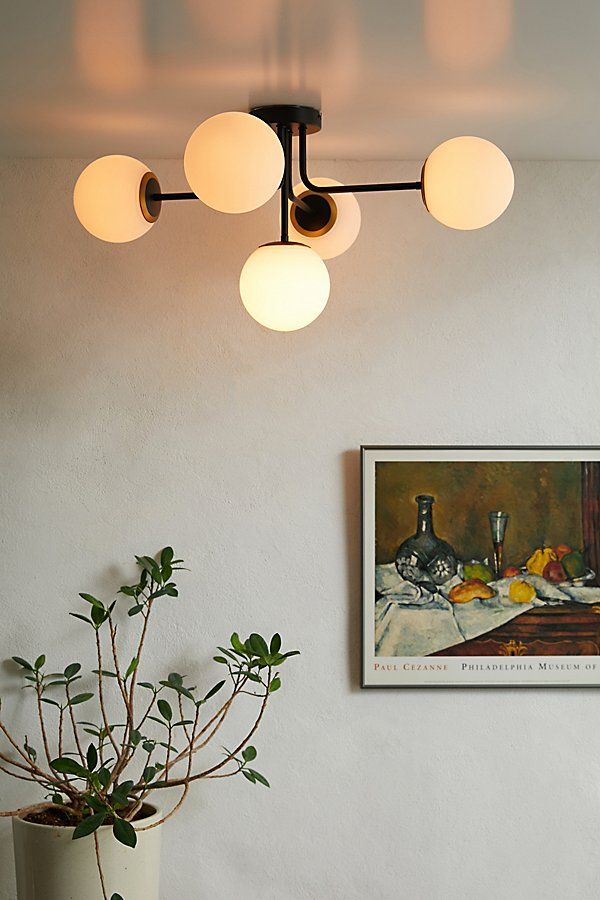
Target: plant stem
[[99, 865], [38, 692], [101, 694], [74, 725]]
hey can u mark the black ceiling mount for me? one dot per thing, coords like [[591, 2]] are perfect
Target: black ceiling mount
[[309, 216], [290, 115]]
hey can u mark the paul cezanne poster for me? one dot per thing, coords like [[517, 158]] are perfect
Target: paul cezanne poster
[[480, 566]]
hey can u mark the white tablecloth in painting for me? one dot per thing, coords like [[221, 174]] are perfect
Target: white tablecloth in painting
[[412, 622]]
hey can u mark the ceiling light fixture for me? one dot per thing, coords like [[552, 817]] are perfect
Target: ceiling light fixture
[[235, 162]]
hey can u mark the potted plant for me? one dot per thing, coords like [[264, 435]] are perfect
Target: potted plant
[[97, 833]]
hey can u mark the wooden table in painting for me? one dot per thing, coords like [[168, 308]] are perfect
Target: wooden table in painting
[[560, 620], [566, 630]]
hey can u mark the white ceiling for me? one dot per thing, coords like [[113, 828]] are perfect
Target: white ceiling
[[393, 77]]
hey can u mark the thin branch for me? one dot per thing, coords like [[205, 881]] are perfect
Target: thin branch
[[61, 716], [38, 693], [20, 777], [101, 694], [186, 786], [99, 865], [228, 758], [120, 679], [28, 810], [74, 725]]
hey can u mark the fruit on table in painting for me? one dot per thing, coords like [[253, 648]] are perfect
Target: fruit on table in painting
[[539, 559], [479, 571], [574, 564], [472, 589], [562, 550], [510, 572], [521, 592], [554, 572]]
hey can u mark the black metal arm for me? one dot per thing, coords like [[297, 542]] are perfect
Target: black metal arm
[[346, 188], [178, 195]]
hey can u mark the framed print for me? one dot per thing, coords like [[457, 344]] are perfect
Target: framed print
[[480, 566]]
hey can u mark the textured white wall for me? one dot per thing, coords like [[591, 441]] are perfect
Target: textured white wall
[[140, 405]]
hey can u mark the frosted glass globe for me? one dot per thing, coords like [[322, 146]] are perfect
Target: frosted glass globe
[[467, 182], [339, 233], [107, 199], [284, 286], [234, 162]]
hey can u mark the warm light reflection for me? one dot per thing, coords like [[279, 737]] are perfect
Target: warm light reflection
[[109, 44], [233, 22], [467, 35]]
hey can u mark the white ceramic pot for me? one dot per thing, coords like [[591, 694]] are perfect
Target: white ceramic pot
[[50, 865]]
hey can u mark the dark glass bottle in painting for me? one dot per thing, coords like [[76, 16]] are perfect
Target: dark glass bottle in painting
[[424, 558]]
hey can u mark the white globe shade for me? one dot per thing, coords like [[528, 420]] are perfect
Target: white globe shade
[[107, 199], [284, 286], [467, 183], [342, 230], [234, 162]]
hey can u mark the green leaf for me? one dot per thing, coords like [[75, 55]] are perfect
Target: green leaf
[[165, 709], [158, 721], [91, 757], [150, 565], [214, 690], [99, 615], [89, 825], [257, 776], [116, 897], [23, 662], [96, 804], [275, 644], [167, 571], [67, 766], [79, 616], [146, 684], [135, 737], [125, 832], [58, 799], [72, 670], [171, 590], [247, 773], [259, 645], [166, 556], [249, 753], [50, 702], [30, 751], [103, 777], [128, 590], [131, 667], [175, 678], [39, 662], [275, 685], [92, 600], [220, 659], [135, 610], [237, 644], [80, 698], [106, 673], [149, 773], [148, 746]]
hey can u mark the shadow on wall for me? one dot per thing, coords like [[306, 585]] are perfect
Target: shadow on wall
[[352, 517]]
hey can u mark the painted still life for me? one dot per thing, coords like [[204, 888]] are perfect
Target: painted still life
[[486, 560]]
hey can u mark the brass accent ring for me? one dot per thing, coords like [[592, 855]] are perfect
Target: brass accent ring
[[328, 225], [150, 208]]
